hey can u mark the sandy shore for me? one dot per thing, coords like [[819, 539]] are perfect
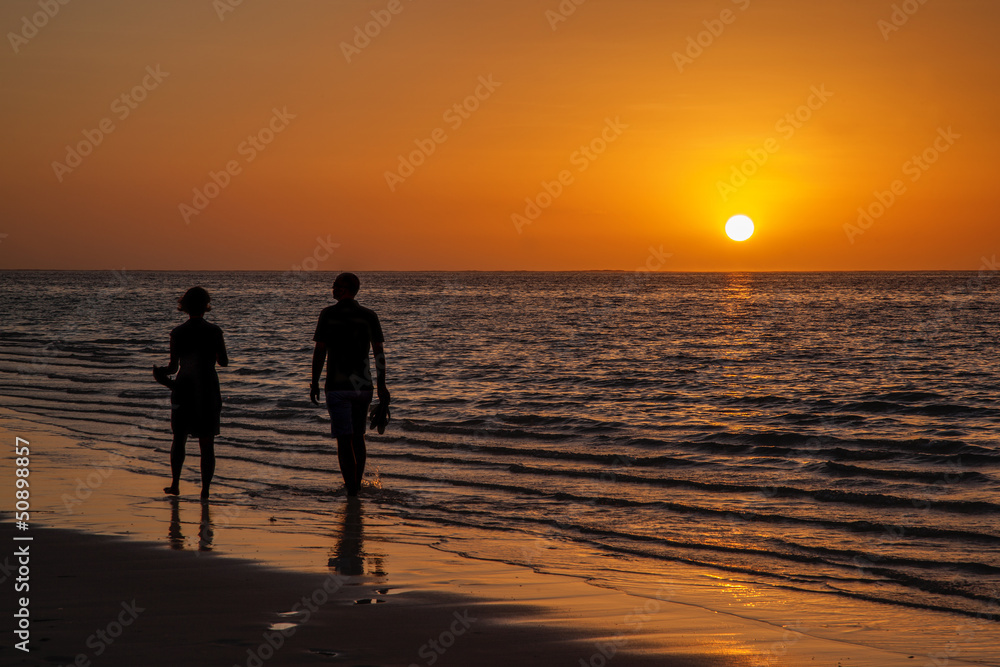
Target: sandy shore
[[120, 575], [113, 601]]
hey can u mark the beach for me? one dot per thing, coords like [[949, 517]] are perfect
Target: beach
[[692, 472], [178, 582]]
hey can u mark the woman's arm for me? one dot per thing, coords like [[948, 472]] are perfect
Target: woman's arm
[[175, 361], [222, 357], [162, 373]]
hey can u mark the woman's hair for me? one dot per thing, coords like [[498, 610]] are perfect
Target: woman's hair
[[195, 301]]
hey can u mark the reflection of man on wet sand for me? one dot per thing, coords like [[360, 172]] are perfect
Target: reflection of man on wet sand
[[344, 334], [349, 556]]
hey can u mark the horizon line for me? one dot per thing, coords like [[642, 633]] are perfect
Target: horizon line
[[335, 271]]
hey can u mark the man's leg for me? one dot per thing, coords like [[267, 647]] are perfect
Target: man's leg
[[359, 421], [340, 427], [348, 463], [360, 456]]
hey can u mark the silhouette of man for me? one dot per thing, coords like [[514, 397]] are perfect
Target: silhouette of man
[[344, 334]]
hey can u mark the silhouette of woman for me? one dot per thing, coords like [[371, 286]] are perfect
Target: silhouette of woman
[[195, 398]]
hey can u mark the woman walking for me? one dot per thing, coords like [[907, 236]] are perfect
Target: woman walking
[[195, 398]]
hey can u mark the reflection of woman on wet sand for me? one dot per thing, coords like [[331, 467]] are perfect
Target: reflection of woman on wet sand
[[195, 397], [206, 532]]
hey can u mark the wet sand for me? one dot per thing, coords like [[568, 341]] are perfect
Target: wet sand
[[116, 601], [113, 601], [121, 575]]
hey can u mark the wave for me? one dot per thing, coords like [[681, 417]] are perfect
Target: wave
[[955, 599], [565, 455], [931, 476], [89, 379], [478, 428], [247, 370], [772, 491], [930, 410]]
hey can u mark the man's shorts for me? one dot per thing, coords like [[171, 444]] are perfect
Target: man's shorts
[[348, 410]]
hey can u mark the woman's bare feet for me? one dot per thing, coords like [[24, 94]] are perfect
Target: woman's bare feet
[[171, 490]]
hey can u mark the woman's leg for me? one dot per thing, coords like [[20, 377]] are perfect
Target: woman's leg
[[207, 443], [176, 462]]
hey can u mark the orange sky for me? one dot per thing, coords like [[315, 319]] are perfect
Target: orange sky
[[674, 128]]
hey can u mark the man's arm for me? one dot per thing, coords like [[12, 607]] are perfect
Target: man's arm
[[319, 358], [378, 349]]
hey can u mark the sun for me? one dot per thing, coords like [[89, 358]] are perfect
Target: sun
[[739, 228]]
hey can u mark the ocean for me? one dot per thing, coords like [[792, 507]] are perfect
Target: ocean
[[833, 434]]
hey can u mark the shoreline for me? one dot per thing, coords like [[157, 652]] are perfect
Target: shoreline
[[135, 603], [199, 608], [117, 532]]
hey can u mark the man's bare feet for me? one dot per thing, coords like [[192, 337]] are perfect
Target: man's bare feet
[[171, 490]]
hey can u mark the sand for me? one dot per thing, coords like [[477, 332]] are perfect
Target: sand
[[127, 576]]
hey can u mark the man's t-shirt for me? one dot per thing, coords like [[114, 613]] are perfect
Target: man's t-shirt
[[348, 329]]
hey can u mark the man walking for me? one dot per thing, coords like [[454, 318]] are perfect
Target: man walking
[[344, 334]]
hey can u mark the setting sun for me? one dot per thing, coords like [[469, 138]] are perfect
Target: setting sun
[[739, 228]]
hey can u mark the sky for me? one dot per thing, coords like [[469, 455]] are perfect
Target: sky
[[499, 134]]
